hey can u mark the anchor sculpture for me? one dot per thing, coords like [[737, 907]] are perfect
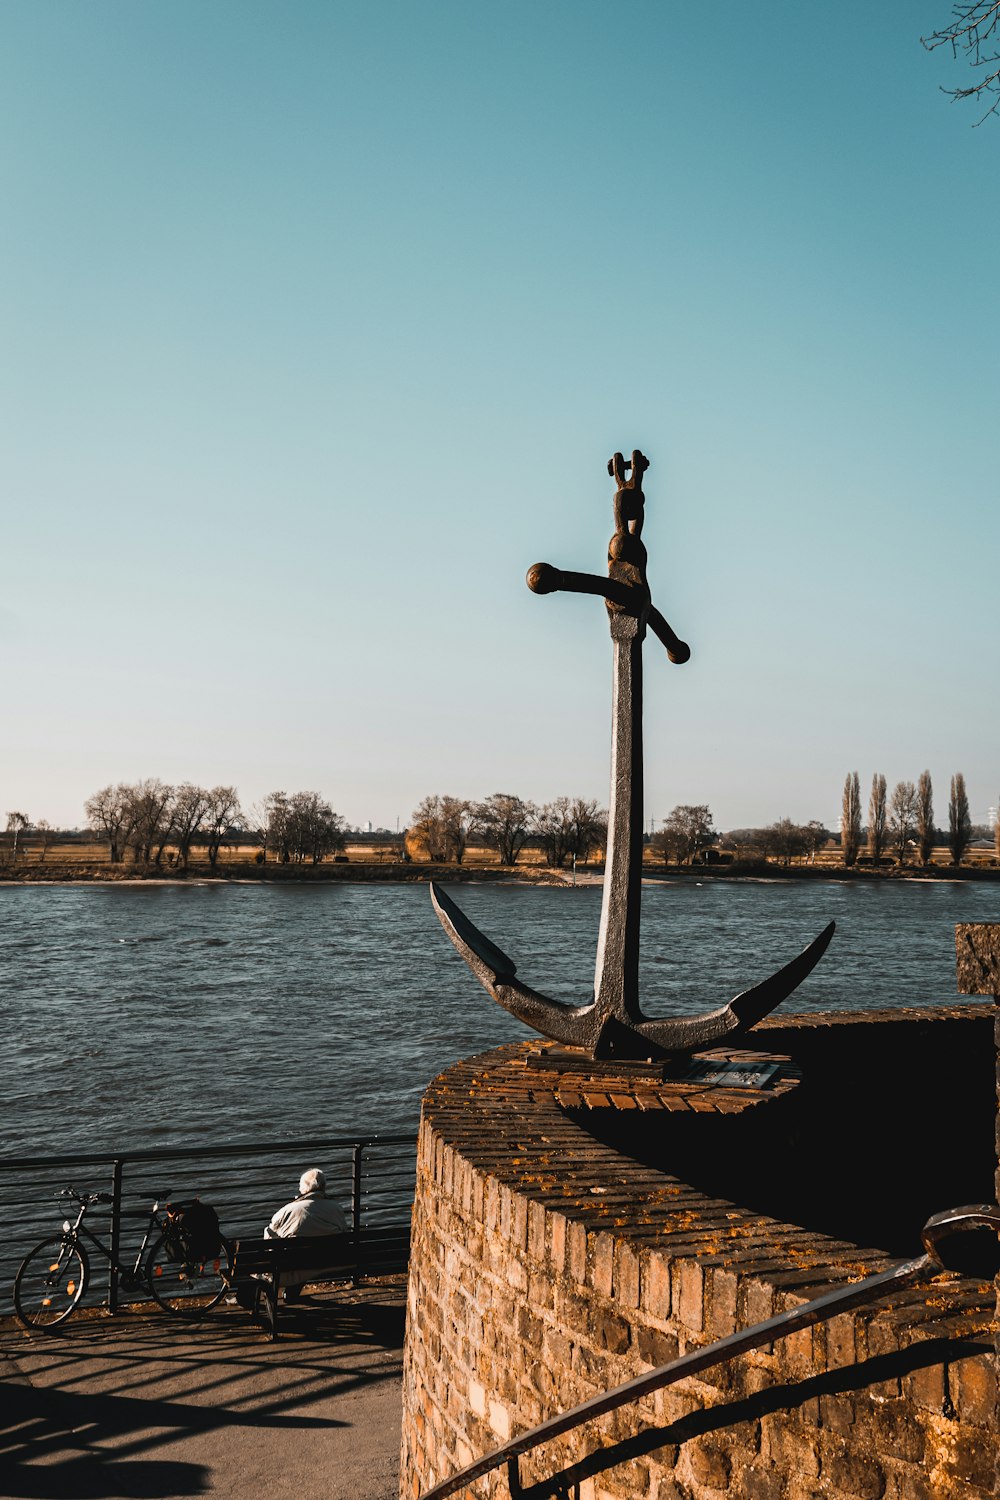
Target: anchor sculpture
[[613, 1025]]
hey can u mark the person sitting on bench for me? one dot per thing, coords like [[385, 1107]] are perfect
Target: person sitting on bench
[[311, 1213]]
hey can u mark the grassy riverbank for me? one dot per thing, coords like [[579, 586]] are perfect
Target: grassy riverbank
[[233, 873], [55, 872]]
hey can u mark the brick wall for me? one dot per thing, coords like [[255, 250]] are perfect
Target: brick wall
[[550, 1263]]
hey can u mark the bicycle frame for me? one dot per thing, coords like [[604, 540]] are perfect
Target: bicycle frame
[[126, 1277]]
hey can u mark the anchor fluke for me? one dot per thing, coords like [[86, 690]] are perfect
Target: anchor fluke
[[750, 1006], [475, 947], [496, 973]]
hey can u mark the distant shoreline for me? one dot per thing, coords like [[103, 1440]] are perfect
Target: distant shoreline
[[398, 872]]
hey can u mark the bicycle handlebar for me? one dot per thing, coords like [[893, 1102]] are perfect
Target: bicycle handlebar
[[71, 1192]]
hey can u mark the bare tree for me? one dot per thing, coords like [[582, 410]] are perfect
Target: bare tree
[[427, 830], [440, 827], [107, 812], [149, 819], [925, 817], [456, 814], [902, 817], [959, 819], [554, 825], [687, 830], [850, 819], [973, 31], [767, 842], [744, 842], [570, 828], [16, 823], [191, 807], [590, 827], [45, 832], [817, 836], [876, 819], [221, 814], [504, 821], [313, 828], [275, 826], [789, 840]]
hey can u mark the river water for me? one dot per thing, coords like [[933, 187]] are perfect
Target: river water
[[149, 1015]]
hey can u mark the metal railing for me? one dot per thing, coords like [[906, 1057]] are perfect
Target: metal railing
[[372, 1177]]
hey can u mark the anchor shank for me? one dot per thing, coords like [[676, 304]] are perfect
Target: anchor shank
[[616, 979]]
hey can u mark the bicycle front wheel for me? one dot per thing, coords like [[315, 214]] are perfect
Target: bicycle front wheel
[[190, 1288], [50, 1282]]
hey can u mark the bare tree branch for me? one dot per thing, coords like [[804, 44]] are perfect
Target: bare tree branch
[[971, 31]]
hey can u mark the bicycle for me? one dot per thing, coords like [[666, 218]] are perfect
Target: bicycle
[[54, 1276]]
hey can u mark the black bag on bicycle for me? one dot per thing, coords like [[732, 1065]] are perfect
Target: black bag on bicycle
[[193, 1232]]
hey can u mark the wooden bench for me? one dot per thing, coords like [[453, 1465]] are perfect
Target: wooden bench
[[261, 1264]]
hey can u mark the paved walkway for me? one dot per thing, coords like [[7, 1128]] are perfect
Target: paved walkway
[[144, 1405]]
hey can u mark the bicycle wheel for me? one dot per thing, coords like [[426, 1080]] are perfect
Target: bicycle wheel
[[190, 1288], [50, 1282]]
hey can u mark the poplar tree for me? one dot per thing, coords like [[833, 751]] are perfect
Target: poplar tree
[[876, 818], [850, 819], [959, 819], [925, 817]]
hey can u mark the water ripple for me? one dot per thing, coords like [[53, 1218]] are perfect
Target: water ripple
[[140, 1013]]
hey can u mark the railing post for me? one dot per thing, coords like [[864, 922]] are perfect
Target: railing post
[[116, 1235], [356, 1207]]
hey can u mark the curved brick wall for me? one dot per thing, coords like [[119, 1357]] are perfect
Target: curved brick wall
[[547, 1266]]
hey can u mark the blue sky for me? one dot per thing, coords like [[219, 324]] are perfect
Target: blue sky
[[318, 324]]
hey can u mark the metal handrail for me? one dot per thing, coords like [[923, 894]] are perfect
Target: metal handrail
[[182, 1153], [819, 1310], [378, 1175]]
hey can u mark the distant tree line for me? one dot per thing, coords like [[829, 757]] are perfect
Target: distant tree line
[[783, 841], [565, 828], [299, 827], [148, 821], [151, 822], [903, 824], [144, 819]]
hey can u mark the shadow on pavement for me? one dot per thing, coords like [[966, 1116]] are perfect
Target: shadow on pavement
[[93, 1412]]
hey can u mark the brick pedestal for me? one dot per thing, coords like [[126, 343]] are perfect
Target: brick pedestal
[[548, 1264]]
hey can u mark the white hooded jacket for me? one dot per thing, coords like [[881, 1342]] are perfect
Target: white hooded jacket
[[311, 1213]]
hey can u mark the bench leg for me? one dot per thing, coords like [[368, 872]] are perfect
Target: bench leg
[[260, 1312], [273, 1298]]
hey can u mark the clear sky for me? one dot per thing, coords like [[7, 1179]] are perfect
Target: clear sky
[[318, 325]]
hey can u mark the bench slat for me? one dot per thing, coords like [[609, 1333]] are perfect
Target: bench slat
[[297, 1253]]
